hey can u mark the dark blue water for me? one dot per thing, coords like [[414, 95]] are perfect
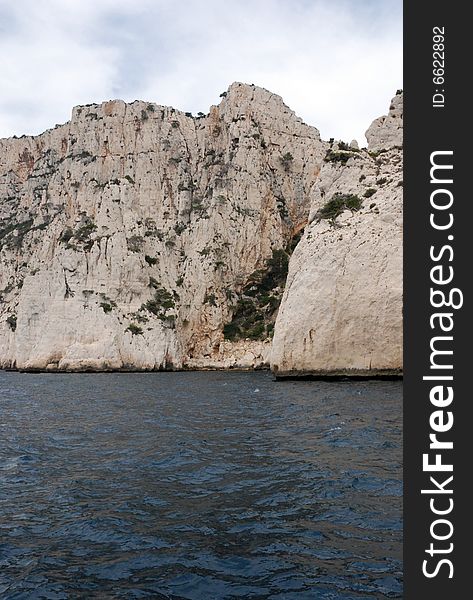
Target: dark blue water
[[199, 486]]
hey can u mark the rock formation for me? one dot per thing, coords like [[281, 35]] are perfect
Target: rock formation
[[139, 237], [341, 312]]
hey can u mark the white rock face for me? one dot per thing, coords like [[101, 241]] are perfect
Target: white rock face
[[341, 311], [128, 234]]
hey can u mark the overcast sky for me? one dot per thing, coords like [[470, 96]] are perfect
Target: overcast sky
[[336, 63]]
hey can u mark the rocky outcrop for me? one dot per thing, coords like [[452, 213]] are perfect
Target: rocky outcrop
[[386, 132], [341, 312], [139, 237]]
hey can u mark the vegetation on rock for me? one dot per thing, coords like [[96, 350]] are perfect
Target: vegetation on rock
[[337, 204], [256, 309], [11, 320], [134, 329]]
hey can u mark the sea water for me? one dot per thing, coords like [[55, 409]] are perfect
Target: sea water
[[199, 485]]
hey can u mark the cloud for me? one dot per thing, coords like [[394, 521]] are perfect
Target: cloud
[[336, 63]]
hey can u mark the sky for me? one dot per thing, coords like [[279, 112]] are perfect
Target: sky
[[336, 63]]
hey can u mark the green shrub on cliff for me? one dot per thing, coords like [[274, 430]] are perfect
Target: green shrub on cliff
[[134, 329], [334, 156], [337, 204], [161, 302], [151, 260], [286, 161], [11, 320]]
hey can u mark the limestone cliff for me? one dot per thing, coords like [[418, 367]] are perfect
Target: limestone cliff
[[139, 237], [341, 312]]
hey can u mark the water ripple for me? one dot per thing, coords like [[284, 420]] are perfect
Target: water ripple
[[199, 486]]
